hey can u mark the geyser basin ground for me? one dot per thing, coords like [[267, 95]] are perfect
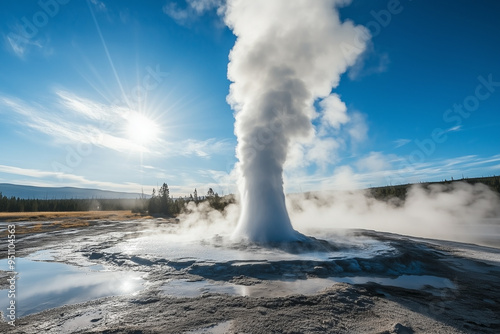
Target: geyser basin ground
[[369, 282]]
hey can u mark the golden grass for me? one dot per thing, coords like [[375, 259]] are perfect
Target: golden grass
[[61, 220]]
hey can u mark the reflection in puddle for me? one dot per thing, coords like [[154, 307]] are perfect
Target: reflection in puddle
[[412, 282], [222, 328], [189, 289], [44, 285], [311, 286], [43, 255]]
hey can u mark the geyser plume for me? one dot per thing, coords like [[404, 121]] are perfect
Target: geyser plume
[[287, 55]]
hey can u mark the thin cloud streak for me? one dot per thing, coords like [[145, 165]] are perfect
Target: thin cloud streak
[[19, 44], [66, 179], [73, 119], [401, 142], [390, 171]]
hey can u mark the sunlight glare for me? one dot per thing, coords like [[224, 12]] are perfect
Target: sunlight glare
[[141, 129]]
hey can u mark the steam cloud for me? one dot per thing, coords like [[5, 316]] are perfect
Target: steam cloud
[[457, 211], [288, 54]]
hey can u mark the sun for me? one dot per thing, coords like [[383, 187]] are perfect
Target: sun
[[141, 129]]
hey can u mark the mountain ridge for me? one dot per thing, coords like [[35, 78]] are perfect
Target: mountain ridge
[[35, 192]]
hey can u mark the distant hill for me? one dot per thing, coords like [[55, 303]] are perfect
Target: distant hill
[[400, 191], [31, 192]]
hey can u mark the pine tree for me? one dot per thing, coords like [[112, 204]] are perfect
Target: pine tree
[[153, 203], [164, 194]]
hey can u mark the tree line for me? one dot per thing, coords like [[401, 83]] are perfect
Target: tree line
[[16, 204], [160, 202]]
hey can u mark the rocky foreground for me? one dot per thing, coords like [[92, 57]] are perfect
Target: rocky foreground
[[471, 304]]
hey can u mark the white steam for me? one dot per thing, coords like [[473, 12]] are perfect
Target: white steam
[[459, 212], [287, 55]]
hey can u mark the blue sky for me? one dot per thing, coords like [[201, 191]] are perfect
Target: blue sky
[[124, 95]]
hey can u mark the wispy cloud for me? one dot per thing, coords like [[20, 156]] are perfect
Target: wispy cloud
[[99, 5], [357, 128], [86, 107], [464, 166], [401, 142], [180, 15], [474, 161], [50, 178], [21, 40], [20, 45], [74, 119], [205, 148], [193, 9], [374, 162], [454, 128], [63, 129], [369, 63], [377, 169]]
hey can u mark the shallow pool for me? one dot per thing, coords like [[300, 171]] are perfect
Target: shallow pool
[[43, 285]]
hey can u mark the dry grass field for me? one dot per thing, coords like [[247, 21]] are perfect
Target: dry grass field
[[37, 222]]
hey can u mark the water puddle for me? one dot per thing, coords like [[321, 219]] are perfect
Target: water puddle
[[412, 282], [190, 289], [44, 285], [83, 321], [221, 328], [44, 255], [311, 286]]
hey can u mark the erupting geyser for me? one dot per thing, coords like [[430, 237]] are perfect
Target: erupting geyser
[[288, 54]]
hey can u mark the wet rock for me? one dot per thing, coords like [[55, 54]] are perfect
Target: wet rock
[[401, 329], [350, 265], [95, 256], [320, 270], [145, 301], [141, 261]]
